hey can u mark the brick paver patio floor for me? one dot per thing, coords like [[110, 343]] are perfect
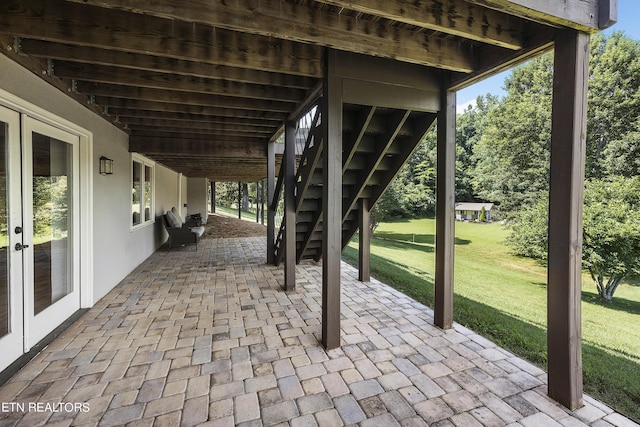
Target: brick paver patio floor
[[209, 338]]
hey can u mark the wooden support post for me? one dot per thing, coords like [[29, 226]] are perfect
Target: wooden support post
[[290, 205], [257, 201], [239, 200], [262, 202], [213, 196], [568, 129], [445, 209], [364, 264], [271, 213], [331, 203]]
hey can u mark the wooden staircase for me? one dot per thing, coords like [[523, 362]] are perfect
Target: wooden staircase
[[376, 143]]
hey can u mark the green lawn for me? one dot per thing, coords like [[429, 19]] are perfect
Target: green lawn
[[503, 297], [246, 215]]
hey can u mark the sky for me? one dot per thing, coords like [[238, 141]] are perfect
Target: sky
[[628, 16]]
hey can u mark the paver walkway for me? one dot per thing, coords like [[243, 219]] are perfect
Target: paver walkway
[[209, 338]]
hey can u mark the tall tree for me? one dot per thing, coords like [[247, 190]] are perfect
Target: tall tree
[[245, 197], [611, 237], [512, 155], [415, 183], [614, 97], [611, 249], [388, 206], [469, 128], [622, 156], [226, 193], [414, 187]]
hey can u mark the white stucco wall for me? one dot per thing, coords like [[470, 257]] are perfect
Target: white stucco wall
[[117, 250], [198, 194], [167, 193]]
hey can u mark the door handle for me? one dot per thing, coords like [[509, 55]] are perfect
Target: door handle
[[20, 246]]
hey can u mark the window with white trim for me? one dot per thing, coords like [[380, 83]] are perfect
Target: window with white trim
[[142, 191]]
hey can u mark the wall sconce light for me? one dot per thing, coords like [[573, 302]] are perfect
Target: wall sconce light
[[106, 166]]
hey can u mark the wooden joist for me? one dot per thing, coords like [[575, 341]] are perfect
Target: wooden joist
[[165, 68], [141, 108], [100, 91], [66, 22], [175, 82], [194, 147], [309, 25], [160, 64], [455, 17]]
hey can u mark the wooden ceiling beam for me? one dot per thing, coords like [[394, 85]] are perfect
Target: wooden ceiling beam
[[174, 115], [223, 169], [160, 64], [583, 15], [126, 115], [253, 173], [120, 105], [493, 60], [456, 17], [85, 25], [189, 134], [38, 66], [308, 25], [153, 80], [227, 129], [189, 98], [197, 147], [144, 129]]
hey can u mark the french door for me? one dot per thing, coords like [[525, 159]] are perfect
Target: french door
[[39, 217]]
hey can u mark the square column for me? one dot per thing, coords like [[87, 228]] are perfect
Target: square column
[[445, 209], [331, 203], [213, 196], [568, 148], [364, 253], [271, 213], [290, 205]]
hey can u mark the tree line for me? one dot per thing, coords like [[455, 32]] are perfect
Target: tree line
[[503, 154], [250, 194]]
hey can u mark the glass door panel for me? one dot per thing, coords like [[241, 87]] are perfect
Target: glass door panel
[[50, 194], [52, 179]]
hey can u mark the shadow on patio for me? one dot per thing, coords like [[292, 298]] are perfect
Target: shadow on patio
[[209, 338]]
